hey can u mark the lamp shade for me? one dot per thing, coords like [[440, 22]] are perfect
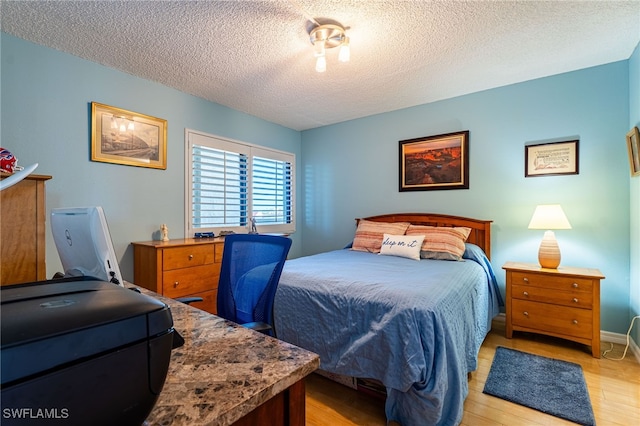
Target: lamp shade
[[549, 216]]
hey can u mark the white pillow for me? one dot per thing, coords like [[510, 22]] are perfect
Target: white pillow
[[402, 245]]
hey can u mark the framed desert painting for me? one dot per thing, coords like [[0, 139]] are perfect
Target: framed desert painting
[[129, 138], [435, 162]]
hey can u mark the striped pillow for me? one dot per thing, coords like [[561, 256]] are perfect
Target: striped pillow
[[441, 242], [369, 234]]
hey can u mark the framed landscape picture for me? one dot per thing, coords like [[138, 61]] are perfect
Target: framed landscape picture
[[435, 162], [129, 138]]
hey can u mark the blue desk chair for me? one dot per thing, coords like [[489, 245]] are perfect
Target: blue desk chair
[[249, 276]]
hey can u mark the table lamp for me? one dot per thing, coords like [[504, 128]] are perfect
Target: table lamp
[[548, 217]]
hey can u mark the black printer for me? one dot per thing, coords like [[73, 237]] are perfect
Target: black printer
[[81, 351]]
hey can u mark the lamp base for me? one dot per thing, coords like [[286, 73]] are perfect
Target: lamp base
[[549, 252]]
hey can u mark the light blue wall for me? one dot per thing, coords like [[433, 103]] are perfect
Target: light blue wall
[[46, 113], [351, 170], [634, 194]]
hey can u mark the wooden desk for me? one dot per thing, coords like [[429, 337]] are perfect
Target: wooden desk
[[226, 374]]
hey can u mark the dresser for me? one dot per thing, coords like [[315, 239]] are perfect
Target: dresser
[[22, 230], [563, 302], [180, 268]]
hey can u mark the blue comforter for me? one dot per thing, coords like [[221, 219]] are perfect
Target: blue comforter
[[416, 326]]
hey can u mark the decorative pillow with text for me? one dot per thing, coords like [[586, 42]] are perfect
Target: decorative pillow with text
[[402, 245]]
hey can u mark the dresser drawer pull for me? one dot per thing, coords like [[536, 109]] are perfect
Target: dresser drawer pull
[[575, 321], [574, 285], [526, 293], [525, 279], [525, 313], [575, 300], [176, 284], [190, 257]]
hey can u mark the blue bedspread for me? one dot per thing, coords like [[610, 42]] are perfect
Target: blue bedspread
[[416, 326]]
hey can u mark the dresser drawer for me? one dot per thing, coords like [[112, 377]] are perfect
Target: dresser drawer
[[554, 282], [562, 320], [188, 281], [573, 298], [209, 301], [188, 256]]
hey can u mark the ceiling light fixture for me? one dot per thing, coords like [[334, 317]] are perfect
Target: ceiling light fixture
[[325, 37]]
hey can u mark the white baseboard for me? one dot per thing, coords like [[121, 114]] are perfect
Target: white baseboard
[[501, 318], [607, 336]]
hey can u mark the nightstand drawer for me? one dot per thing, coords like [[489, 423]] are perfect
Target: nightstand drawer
[[188, 281], [188, 256], [573, 298], [561, 320], [554, 282]]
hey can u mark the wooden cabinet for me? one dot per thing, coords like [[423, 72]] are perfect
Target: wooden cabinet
[[287, 408], [180, 268], [563, 302], [22, 231]]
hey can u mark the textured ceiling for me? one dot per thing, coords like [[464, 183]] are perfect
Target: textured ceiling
[[255, 56]]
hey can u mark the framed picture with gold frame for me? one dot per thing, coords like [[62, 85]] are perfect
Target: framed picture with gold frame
[[633, 145], [129, 138]]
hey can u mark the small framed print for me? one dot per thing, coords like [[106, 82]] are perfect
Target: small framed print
[[124, 137], [633, 145], [547, 159], [435, 162]]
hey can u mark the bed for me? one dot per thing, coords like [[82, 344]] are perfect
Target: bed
[[416, 326]]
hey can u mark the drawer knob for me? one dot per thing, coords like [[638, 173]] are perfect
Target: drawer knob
[[190, 257], [575, 321], [525, 279], [176, 284], [526, 293], [575, 300], [574, 285], [525, 313]]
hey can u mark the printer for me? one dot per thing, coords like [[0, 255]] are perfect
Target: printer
[[81, 351]]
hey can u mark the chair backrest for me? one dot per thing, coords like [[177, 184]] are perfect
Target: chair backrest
[[249, 276]]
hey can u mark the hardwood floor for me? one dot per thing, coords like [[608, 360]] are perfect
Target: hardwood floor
[[614, 389]]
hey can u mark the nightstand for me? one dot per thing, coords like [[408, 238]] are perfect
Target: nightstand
[[563, 302]]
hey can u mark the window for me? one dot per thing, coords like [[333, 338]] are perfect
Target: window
[[228, 183]]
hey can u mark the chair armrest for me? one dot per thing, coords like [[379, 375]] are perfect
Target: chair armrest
[[257, 326], [189, 299]]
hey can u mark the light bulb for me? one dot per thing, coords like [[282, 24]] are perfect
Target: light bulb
[[321, 64], [345, 51], [318, 48]]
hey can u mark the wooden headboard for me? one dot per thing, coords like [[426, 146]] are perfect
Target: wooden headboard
[[480, 229]]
